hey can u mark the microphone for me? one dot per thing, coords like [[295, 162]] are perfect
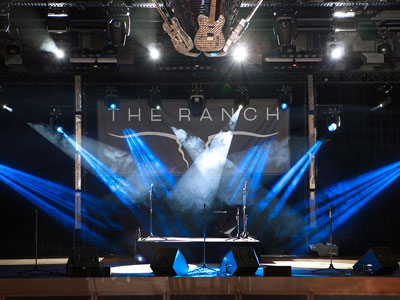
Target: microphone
[[245, 186]]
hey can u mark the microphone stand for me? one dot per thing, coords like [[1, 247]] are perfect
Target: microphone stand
[[245, 233], [331, 269], [151, 236], [35, 270], [204, 266]]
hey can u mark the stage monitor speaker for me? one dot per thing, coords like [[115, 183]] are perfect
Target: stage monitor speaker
[[169, 262], [240, 262], [377, 261], [278, 271], [84, 261]]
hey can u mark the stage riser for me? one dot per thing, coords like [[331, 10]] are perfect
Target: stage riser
[[218, 288]]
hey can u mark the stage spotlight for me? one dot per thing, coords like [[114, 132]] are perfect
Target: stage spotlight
[[384, 46], [285, 97], [333, 122], [336, 50], [4, 17], [111, 98], [119, 24], [155, 98], [139, 258], [59, 53], [56, 119], [240, 53], [285, 29], [154, 53], [344, 12], [241, 97], [7, 108], [58, 19], [196, 100]]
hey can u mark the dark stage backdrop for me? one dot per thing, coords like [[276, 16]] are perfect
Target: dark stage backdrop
[[367, 140], [260, 120]]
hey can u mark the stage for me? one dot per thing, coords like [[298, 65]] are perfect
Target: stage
[[139, 282]]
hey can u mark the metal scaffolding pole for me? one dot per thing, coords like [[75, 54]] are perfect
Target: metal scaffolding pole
[[312, 136], [78, 159]]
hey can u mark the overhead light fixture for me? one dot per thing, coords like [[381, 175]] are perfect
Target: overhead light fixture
[[386, 96], [196, 100], [240, 53], [336, 50], [56, 119], [155, 98], [4, 17], [154, 52], [111, 98], [59, 53], [58, 19], [285, 29], [119, 25], [241, 97], [334, 123], [285, 97], [332, 116], [344, 12]]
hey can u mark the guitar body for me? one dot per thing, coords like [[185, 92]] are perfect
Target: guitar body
[[209, 37], [179, 38]]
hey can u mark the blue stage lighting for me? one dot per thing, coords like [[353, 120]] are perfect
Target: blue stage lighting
[[284, 105], [332, 127], [113, 106], [60, 129], [277, 188]]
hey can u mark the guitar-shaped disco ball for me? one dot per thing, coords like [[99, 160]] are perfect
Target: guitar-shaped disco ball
[[209, 37], [179, 38]]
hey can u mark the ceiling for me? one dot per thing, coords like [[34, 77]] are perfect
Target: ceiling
[[88, 36]]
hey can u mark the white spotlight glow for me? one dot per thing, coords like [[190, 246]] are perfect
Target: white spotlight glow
[[239, 53], [337, 52], [50, 46], [154, 53], [7, 108], [59, 53], [342, 14]]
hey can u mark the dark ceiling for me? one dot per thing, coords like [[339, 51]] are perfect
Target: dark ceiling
[[88, 36]]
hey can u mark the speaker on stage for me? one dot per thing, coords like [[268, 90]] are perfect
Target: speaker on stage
[[240, 262], [84, 261], [377, 261], [169, 262]]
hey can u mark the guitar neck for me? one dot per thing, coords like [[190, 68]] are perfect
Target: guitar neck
[[162, 14], [213, 8], [254, 10]]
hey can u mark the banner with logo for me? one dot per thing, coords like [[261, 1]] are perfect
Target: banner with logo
[[261, 121]]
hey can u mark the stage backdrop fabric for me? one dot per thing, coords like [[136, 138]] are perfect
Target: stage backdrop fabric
[[261, 121]]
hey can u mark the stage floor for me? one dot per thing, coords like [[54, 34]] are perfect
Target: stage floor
[[124, 266]]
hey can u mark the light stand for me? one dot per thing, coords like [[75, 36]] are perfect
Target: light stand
[[331, 270], [35, 270]]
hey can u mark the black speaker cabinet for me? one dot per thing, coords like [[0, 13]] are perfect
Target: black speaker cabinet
[[84, 261], [240, 262], [278, 271], [169, 262], [377, 261]]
